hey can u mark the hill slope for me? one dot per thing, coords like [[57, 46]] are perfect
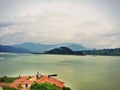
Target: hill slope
[[4, 48], [63, 51]]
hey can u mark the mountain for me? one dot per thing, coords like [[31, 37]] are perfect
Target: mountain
[[68, 51], [58, 49], [76, 47], [4, 48], [63, 51], [45, 47]]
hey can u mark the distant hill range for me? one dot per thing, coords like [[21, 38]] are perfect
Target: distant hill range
[[64, 51], [4, 48], [45, 47], [105, 52], [64, 48]]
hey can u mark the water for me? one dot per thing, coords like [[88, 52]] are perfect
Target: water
[[78, 72]]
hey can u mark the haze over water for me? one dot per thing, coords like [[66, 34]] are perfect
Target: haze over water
[[78, 72]]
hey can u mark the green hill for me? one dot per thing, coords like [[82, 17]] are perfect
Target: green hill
[[64, 51]]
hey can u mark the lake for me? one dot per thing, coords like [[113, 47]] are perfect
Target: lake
[[78, 72]]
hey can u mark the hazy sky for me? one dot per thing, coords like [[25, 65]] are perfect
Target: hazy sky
[[92, 23]]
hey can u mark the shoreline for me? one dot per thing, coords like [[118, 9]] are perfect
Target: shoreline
[[14, 53]]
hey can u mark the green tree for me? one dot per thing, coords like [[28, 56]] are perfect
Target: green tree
[[8, 88], [7, 79], [66, 88], [44, 86]]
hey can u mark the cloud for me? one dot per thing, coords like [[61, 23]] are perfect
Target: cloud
[[6, 24], [57, 23]]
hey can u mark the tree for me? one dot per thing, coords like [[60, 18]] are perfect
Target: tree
[[8, 88], [66, 88], [44, 86]]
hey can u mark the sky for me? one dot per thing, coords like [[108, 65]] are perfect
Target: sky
[[91, 23]]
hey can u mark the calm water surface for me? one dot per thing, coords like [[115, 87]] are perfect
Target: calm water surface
[[78, 72]]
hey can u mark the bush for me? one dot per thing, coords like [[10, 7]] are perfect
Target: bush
[[8, 88], [20, 86], [7, 79], [44, 86], [66, 88]]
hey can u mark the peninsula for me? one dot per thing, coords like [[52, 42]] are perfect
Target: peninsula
[[37, 82]]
